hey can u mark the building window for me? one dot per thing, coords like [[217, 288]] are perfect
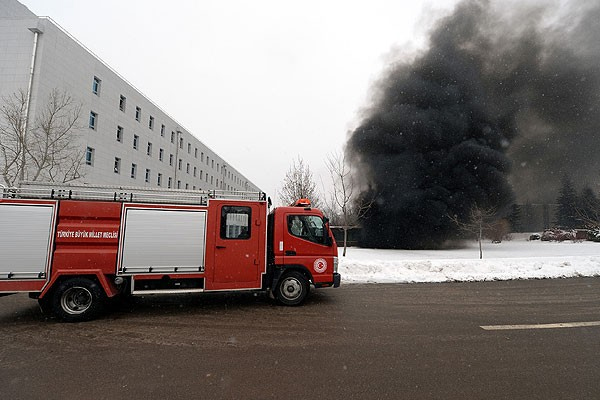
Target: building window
[[172, 137], [151, 122], [133, 170], [138, 114], [159, 179], [147, 177], [179, 164], [170, 183], [120, 134], [149, 149], [212, 162], [187, 168], [162, 130], [93, 120], [136, 141], [189, 148], [201, 174], [181, 143], [122, 103], [202, 156], [196, 152], [195, 171], [117, 165], [96, 86], [161, 154], [89, 156], [178, 184], [187, 186], [171, 160]]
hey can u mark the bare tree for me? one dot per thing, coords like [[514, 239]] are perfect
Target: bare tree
[[45, 150], [343, 189], [299, 184], [478, 221], [12, 136], [587, 209]]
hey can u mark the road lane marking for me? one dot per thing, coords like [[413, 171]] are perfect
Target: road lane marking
[[540, 326]]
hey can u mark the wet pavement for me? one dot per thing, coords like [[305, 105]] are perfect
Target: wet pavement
[[412, 341]]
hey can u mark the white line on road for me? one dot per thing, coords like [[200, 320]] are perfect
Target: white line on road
[[540, 326]]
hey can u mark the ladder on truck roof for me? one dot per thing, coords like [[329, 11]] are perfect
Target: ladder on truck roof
[[132, 194]]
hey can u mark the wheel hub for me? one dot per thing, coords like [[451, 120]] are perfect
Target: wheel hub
[[292, 288], [76, 300]]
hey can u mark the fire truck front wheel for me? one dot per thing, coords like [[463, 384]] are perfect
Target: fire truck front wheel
[[77, 299], [292, 288]]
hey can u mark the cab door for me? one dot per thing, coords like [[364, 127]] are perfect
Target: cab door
[[237, 246], [306, 243]]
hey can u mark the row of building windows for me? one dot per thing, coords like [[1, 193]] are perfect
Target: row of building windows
[[138, 113], [96, 84], [93, 122], [161, 152], [159, 178], [209, 179], [175, 138]]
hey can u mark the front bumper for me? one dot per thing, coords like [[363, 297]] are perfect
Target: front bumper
[[337, 279]]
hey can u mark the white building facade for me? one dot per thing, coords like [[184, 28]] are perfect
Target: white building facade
[[126, 139]]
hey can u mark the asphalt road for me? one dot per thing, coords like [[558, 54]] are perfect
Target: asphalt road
[[417, 341]]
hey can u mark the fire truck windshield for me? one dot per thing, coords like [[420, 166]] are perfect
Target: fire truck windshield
[[307, 227]]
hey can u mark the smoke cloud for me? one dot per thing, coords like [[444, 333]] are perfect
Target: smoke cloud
[[501, 105]]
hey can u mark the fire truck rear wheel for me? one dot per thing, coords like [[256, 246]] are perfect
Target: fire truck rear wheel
[[292, 288], [77, 299]]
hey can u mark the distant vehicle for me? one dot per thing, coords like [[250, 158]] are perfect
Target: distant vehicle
[[558, 235], [534, 236], [594, 234], [73, 247]]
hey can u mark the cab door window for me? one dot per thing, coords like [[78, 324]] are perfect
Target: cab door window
[[307, 227], [235, 222]]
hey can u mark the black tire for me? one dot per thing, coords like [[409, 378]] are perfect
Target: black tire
[[77, 300], [292, 288]]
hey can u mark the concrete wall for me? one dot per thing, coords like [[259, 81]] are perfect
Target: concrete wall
[[65, 64]]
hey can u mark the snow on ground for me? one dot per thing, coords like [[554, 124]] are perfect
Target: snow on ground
[[515, 259]]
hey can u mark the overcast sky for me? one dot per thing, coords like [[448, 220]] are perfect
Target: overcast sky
[[260, 82]]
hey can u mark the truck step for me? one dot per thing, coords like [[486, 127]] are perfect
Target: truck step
[[167, 285]]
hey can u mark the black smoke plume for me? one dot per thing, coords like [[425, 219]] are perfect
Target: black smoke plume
[[503, 103]]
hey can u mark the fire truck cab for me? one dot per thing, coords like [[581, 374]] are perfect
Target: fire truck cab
[[73, 247]]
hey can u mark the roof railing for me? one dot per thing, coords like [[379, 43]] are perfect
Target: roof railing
[[130, 194]]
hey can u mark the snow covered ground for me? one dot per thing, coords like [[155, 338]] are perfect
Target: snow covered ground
[[515, 259]]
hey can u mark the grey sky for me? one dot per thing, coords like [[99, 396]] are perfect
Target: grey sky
[[259, 82]]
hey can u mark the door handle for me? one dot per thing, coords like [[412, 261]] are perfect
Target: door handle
[[220, 247], [290, 253]]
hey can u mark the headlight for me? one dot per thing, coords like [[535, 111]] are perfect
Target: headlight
[[335, 265]]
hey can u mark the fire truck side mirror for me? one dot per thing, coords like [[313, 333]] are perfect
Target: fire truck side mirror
[[328, 241]]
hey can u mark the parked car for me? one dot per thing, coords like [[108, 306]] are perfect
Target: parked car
[[558, 235]]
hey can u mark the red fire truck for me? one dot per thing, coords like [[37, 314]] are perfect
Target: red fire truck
[[73, 247]]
